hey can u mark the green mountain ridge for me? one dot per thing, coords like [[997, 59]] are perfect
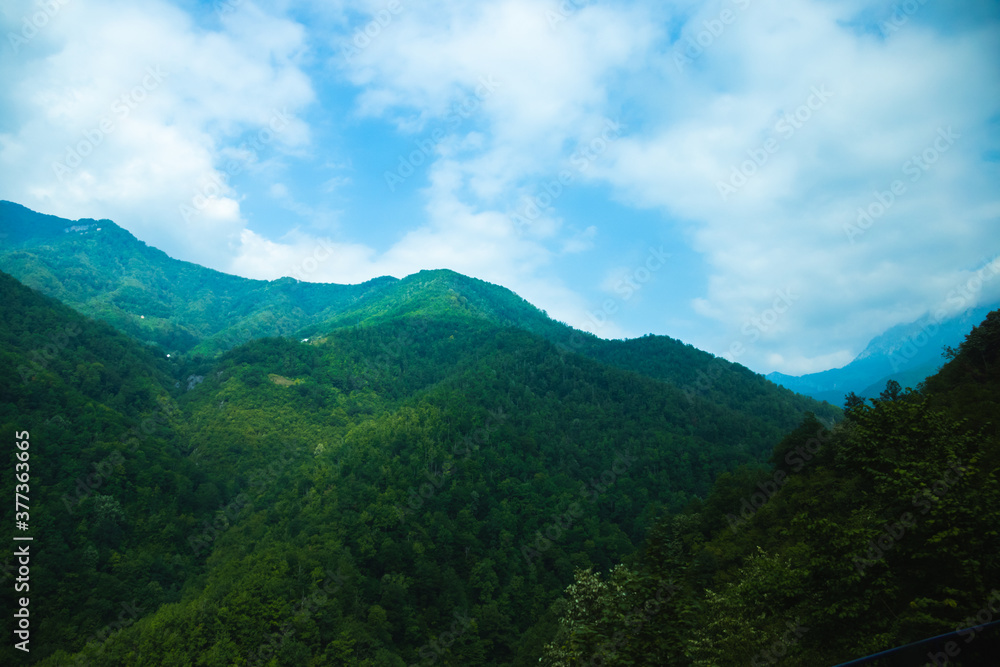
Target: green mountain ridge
[[104, 271], [435, 472], [413, 461], [180, 306], [117, 278], [869, 538]]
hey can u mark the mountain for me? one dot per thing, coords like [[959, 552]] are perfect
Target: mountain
[[906, 353], [421, 485], [415, 470], [102, 270], [878, 536], [102, 470]]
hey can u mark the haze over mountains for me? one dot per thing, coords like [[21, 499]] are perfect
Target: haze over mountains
[[906, 353]]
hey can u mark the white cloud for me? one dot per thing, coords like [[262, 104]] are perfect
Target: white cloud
[[785, 226], [481, 244], [581, 241], [517, 94], [537, 86], [130, 107]]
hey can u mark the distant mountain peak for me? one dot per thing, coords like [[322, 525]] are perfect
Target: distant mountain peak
[[907, 353]]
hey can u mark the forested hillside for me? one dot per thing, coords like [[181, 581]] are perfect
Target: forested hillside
[[103, 271], [419, 487], [880, 532], [190, 311], [419, 478], [112, 494]]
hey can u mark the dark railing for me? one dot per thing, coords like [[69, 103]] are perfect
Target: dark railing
[[976, 646]]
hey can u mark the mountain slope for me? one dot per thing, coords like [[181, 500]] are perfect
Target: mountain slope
[[181, 306], [103, 271], [354, 499], [110, 493], [702, 377], [906, 353], [877, 534]]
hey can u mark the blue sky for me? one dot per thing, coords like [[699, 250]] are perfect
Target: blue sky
[[794, 176]]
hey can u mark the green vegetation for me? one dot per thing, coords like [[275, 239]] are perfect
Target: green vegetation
[[422, 476], [881, 532], [191, 311], [182, 307], [111, 493], [432, 471]]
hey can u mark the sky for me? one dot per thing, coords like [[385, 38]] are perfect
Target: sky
[[773, 181]]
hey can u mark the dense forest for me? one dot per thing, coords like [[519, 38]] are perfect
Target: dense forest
[[184, 309], [428, 464], [440, 474], [878, 533]]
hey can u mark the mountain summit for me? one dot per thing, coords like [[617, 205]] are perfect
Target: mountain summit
[[906, 353]]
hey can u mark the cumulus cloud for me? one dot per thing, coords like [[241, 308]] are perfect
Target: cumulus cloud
[[130, 111], [771, 169], [836, 152]]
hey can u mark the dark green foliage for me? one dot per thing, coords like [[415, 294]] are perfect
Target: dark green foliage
[[182, 307], [881, 532], [416, 483], [105, 471], [422, 487]]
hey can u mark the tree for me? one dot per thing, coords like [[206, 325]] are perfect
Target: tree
[[892, 391]]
